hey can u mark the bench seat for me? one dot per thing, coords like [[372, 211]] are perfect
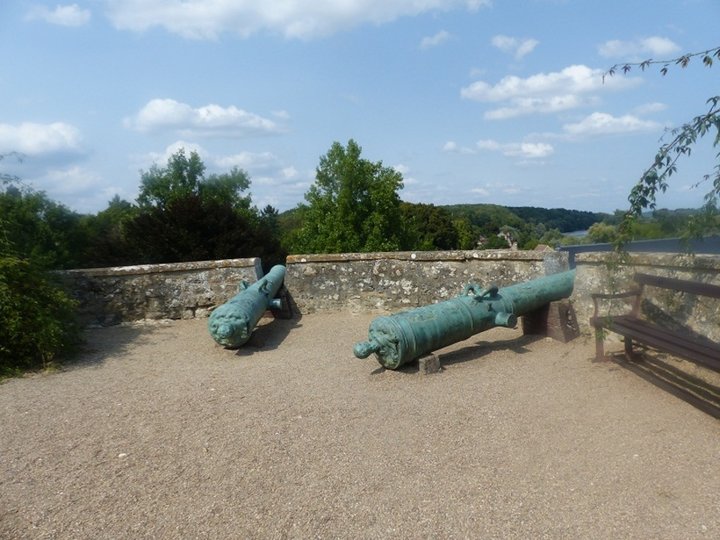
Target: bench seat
[[680, 344]]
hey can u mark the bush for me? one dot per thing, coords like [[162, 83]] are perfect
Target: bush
[[37, 318]]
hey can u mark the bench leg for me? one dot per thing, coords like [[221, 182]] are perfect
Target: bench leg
[[599, 349], [629, 354]]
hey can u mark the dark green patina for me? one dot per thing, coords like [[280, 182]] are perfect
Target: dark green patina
[[232, 323], [403, 337]]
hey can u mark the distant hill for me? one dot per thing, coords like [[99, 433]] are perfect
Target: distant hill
[[495, 215], [483, 215]]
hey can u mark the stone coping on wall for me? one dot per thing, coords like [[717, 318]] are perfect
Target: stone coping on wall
[[140, 269], [490, 254]]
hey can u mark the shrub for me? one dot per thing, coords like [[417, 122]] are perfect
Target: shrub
[[37, 318]]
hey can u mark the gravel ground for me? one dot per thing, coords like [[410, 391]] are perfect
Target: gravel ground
[[160, 433]]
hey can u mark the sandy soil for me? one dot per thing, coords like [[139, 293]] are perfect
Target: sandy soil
[[160, 433]]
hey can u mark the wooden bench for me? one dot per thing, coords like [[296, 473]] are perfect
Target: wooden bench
[[636, 329]]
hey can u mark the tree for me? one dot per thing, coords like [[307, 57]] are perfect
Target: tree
[[185, 216], [352, 206], [42, 230], [184, 176], [191, 228], [427, 227], [466, 233], [106, 235], [655, 178]]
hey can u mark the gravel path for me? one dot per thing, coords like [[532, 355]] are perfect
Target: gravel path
[[159, 433]]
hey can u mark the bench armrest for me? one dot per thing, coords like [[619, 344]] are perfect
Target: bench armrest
[[612, 296]]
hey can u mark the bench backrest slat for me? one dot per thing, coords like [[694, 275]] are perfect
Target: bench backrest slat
[[692, 287]]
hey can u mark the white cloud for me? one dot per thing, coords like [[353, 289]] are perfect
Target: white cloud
[[70, 181], [526, 150], [571, 80], [572, 87], [249, 160], [435, 40], [649, 108], [630, 50], [605, 124], [539, 105], [70, 15], [34, 139], [453, 147], [161, 158], [402, 169], [408, 180], [480, 191], [517, 47], [488, 144], [201, 19], [207, 121], [288, 173]]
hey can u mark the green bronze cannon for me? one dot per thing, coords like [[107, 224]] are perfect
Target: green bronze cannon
[[403, 337], [232, 323]]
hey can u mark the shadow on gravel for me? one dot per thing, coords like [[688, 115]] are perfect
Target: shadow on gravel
[[694, 390], [105, 342], [483, 348], [471, 353], [269, 334]]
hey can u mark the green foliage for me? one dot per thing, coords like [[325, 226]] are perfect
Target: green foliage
[[107, 244], [553, 238], [427, 227], [184, 176], [467, 238], [476, 226], [648, 226], [184, 216], [37, 319], [189, 228], [180, 178], [557, 218], [353, 206], [529, 225], [41, 230], [602, 233]]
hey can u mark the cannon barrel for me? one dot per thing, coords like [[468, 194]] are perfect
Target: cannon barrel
[[402, 337], [231, 323]]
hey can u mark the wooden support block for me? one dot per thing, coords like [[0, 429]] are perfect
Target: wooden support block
[[286, 311], [556, 320], [430, 363]]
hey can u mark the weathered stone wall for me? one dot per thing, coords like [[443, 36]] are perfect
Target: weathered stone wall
[[390, 281], [602, 272], [387, 282], [110, 296]]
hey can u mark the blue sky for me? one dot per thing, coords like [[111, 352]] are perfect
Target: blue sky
[[473, 101]]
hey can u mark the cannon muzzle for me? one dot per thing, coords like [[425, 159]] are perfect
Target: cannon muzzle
[[232, 323]]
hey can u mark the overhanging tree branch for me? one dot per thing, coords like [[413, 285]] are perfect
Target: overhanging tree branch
[[655, 178]]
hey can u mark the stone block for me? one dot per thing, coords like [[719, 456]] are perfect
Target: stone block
[[556, 320], [430, 363]]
